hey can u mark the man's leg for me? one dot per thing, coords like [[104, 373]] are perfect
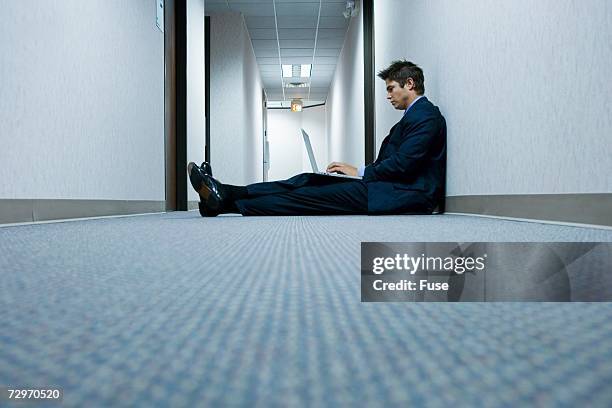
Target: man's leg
[[346, 197], [217, 198], [291, 184], [235, 193]]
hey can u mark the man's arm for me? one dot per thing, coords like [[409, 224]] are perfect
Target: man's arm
[[409, 155]]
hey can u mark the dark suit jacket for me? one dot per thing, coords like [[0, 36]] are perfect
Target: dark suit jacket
[[410, 172]]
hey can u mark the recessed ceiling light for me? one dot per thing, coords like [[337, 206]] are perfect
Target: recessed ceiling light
[[296, 70], [306, 68], [287, 71]]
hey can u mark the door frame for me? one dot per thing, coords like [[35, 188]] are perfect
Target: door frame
[[207, 87], [368, 73], [175, 104]]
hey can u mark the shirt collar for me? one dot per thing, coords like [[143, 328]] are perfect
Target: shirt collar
[[413, 102]]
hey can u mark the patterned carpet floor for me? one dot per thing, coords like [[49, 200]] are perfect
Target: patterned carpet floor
[[176, 310]]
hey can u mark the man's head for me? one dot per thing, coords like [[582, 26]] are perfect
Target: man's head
[[405, 82]]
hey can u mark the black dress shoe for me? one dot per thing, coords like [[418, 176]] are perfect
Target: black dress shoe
[[206, 169], [203, 211], [211, 193], [209, 190], [195, 175]]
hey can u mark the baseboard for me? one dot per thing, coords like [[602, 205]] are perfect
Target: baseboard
[[23, 210], [593, 209]]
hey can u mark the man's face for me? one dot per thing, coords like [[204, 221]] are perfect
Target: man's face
[[398, 96]]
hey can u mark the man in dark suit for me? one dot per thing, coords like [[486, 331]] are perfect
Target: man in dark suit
[[408, 177]]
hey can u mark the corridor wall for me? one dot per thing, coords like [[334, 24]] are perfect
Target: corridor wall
[[288, 155], [345, 101], [524, 87], [81, 105], [236, 124]]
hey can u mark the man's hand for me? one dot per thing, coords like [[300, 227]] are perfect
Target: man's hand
[[342, 168]]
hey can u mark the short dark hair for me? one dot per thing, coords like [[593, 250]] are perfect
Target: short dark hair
[[400, 71]]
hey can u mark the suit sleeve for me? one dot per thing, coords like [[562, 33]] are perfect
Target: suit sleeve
[[382, 146], [409, 156]]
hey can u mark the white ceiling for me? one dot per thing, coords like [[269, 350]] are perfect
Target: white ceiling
[[299, 23]]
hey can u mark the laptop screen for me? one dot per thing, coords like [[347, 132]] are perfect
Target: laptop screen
[[311, 156]]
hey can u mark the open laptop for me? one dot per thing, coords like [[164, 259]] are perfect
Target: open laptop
[[313, 162]]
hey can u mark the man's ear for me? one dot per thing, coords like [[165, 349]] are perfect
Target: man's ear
[[409, 85]]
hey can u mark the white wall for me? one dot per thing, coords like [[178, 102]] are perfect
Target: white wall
[[81, 100], [524, 86], [236, 124], [345, 102], [288, 156], [196, 121], [253, 113], [389, 20], [286, 145]]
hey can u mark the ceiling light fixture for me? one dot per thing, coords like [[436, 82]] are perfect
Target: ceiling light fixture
[[287, 71], [306, 68], [296, 105], [351, 9], [296, 85], [296, 70]]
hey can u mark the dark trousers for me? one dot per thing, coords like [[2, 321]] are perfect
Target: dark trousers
[[306, 194]]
